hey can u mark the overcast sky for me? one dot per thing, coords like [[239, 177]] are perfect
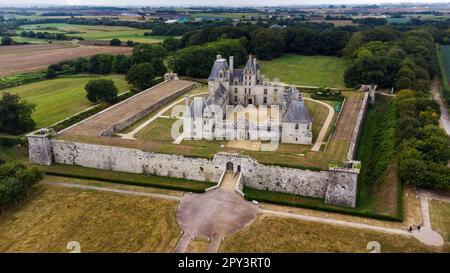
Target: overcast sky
[[201, 2]]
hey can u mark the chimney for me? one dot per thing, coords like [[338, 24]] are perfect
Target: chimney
[[254, 63], [231, 63], [218, 57]]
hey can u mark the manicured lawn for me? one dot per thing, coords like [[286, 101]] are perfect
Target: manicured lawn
[[271, 234], [52, 216], [306, 70], [440, 218], [60, 98], [127, 178], [158, 130], [444, 61], [98, 32]]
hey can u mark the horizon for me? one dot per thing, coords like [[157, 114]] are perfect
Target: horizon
[[211, 3]]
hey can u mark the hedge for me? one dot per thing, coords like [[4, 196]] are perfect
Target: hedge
[[276, 198], [10, 141]]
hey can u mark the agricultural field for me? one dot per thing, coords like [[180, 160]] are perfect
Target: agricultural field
[[271, 234], [52, 216], [40, 56], [97, 32], [306, 70], [59, 98]]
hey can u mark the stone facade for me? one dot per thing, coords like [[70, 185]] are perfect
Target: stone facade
[[337, 188], [243, 105]]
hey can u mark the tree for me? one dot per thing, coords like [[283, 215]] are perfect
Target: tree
[[6, 41], [172, 44], [101, 64], [101, 90], [15, 115], [141, 76], [15, 180], [51, 73], [153, 54], [147, 53], [115, 42], [121, 64], [268, 44]]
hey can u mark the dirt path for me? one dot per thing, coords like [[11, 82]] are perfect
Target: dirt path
[[445, 117], [105, 189], [214, 214], [326, 125]]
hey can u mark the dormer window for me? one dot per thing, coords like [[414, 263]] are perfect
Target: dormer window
[[221, 74], [296, 126]]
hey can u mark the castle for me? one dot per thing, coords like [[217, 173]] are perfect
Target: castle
[[243, 105]]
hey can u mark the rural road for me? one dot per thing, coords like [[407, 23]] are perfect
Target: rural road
[[445, 117]]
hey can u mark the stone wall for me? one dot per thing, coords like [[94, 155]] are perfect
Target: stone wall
[[351, 154], [337, 188]]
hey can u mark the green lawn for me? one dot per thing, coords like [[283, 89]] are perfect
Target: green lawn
[[306, 70], [59, 98], [97, 32], [158, 130], [444, 61]]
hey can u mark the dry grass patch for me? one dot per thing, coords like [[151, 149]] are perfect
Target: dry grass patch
[[440, 217], [198, 245], [272, 234], [99, 221]]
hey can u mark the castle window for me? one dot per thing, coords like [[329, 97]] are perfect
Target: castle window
[[308, 126], [275, 90], [235, 83], [265, 91], [296, 139], [296, 126], [235, 90], [265, 100], [220, 75], [235, 98]]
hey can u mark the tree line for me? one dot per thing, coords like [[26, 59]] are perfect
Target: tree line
[[48, 36]]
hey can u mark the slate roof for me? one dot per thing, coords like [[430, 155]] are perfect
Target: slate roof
[[219, 64], [296, 111], [250, 65]]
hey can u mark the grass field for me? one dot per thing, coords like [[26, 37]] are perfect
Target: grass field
[[440, 220], [306, 70], [97, 32], [9, 154], [59, 98], [158, 130], [101, 222], [270, 234]]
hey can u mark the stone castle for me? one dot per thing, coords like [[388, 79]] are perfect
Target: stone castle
[[271, 112]]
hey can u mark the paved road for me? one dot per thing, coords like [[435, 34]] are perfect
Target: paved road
[[445, 117]]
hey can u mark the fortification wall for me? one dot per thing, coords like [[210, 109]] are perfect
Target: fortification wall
[[351, 154], [334, 188]]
